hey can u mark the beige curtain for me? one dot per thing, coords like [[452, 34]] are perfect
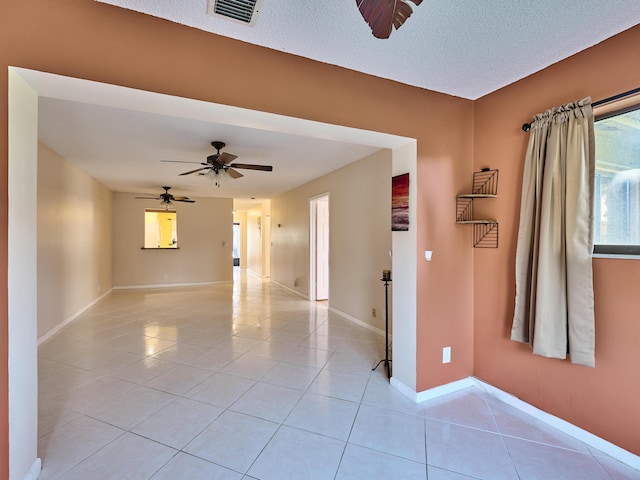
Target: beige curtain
[[554, 281]]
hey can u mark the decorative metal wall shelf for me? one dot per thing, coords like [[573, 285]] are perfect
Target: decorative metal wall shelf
[[485, 185]]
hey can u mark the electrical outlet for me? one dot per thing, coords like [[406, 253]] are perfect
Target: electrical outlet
[[166, 276], [446, 355], [374, 312]]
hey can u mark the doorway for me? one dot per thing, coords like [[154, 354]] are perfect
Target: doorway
[[22, 270], [236, 244], [319, 248]]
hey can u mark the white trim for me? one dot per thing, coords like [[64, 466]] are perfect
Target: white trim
[[70, 319], [257, 275], [313, 214], [34, 471], [295, 292], [344, 315], [574, 431], [172, 285], [432, 393], [357, 321], [21, 329], [615, 256], [252, 273], [313, 244]]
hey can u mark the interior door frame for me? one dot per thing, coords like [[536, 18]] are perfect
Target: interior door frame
[[21, 362], [313, 252]]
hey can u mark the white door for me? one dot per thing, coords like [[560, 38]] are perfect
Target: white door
[[236, 244], [322, 249]]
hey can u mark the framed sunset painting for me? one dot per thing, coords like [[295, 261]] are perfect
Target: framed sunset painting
[[400, 203]]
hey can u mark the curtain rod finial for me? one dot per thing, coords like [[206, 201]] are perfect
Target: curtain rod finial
[[526, 127]]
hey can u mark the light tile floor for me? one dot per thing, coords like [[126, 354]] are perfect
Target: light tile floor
[[251, 382]]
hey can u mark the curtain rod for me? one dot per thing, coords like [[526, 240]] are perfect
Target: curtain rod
[[527, 126]]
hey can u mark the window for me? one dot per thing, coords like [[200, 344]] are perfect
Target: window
[[160, 229], [617, 182]]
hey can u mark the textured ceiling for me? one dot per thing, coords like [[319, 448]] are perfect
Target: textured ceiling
[[466, 48]]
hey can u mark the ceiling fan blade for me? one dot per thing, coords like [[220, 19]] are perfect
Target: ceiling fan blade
[[194, 171], [234, 173], [167, 198], [248, 166], [226, 158], [384, 15]]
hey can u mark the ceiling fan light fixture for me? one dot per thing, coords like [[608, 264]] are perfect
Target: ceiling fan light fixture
[[217, 176], [167, 204], [222, 166]]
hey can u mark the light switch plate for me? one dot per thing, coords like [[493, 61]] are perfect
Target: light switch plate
[[446, 355]]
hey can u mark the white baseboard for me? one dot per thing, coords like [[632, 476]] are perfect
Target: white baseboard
[[257, 275], [431, 393], [344, 315], [576, 432], [172, 285], [34, 471], [295, 292], [70, 319], [357, 321]]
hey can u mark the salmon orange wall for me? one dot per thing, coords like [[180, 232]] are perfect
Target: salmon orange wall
[[85, 39], [603, 400]]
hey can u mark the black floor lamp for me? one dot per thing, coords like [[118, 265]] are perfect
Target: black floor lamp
[[386, 278]]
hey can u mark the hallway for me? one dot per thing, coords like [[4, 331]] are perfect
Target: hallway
[[248, 381]]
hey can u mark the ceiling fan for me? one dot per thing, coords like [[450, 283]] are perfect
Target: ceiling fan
[[219, 166], [167, 198], [385, 15]]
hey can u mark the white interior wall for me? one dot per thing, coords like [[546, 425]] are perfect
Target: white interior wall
[[359, 230], [75, 250], [290, 239], [205, 244], [404, 277], [22, 278]]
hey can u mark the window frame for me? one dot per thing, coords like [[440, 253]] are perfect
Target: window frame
[[603, 112]]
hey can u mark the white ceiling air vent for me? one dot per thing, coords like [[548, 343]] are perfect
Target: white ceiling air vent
[[243, 11]]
